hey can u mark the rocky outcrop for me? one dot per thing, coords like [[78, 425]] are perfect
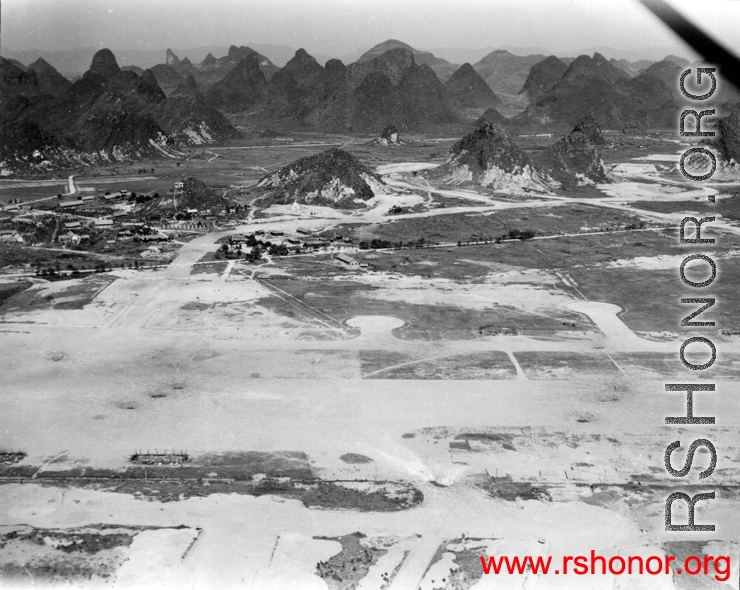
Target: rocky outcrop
[[488, 156], [667, 72], [467, 89], [49, 79], [188, 88], [242, 88], [441, 67], [104, 64], [107, 115], [389, 136], [332, 178], [727, 140], [194, 194], [171, 59], [168, 77], [504, 72], [681, 62], [191, 120], [592, 86], [590, 127], [297, 89], [542, 77], [575, 159], [175, 71], [358, 97], [493, 116], [596, 67]]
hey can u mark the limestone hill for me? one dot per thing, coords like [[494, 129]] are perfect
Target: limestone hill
[[488, 156], [493, 116], [593, 86], [575, 160], [108, 114], [542, 77], [332, 178], [358, 97], [727, 140], [504, 72], [175, 71], [48, 78], [389, 136], [242, 86], [195, 194], [467, 89], [439, 66]]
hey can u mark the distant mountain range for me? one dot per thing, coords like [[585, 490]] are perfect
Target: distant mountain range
[[363, 96], [114, 113], [175, 72], [109, 114], [593, 85], [74, 62]]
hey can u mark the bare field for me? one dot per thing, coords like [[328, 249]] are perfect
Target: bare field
[[83, 556], [557, 365], [483, 365], [13, 256], [656, 366], [342, 299], [726, 205], [61, 295], [555, 219], [215, 268], [652, 297]]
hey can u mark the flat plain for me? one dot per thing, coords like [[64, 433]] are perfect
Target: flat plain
[[316, 425]]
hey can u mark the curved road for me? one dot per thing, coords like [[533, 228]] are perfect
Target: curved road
[[71, 186]]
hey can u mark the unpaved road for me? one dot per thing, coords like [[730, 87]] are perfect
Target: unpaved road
[[416, 564]]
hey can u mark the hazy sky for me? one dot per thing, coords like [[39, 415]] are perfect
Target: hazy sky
[[337, 27]]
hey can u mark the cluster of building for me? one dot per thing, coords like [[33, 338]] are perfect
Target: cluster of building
[[74, 222], [301, 241]]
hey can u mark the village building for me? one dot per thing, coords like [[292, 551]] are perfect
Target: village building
[[24, 219], [69, 204], [70, 239], [316, 244], [10, 235], [348, 260], [154, 238]]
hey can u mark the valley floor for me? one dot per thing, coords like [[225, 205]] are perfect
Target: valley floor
[[518, 386]]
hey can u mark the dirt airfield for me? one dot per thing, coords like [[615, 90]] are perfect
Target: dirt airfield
[[377, 427]]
